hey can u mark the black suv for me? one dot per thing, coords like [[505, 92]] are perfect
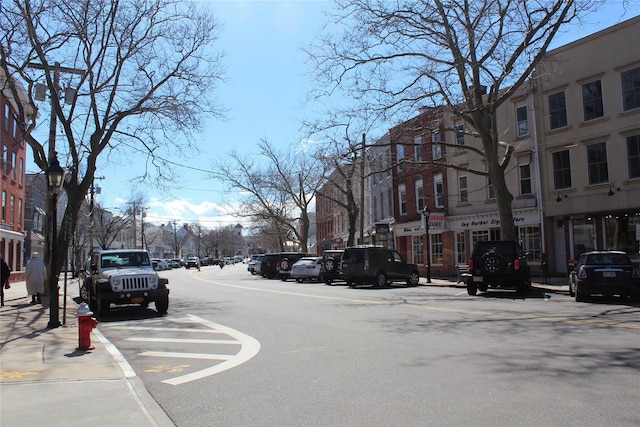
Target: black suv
[[279, 264], [498, 264], [330, 266], [376, 266]]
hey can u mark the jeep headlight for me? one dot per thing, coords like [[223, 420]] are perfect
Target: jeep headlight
[[116, 284], [153, 282]]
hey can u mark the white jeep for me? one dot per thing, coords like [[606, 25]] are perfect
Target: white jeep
[[123, 276]]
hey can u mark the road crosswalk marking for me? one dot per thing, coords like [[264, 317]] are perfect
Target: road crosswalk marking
[[249, 346]]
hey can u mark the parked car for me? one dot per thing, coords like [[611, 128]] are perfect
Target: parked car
[[306, 268], [160, 264], [377, 266], [272, 264], [606, 273], [257, 269], [192, 261], [498, 264], [330, 266], [251, 264], [287, 259]]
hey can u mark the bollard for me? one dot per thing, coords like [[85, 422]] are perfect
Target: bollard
[[86, 323]]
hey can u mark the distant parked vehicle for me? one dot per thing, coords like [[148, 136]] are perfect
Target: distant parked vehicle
[[377, 266], [330, 268], [251, 264], [307, 268], [160, 264], [606, 273]]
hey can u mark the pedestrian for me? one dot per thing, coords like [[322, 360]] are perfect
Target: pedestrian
[[4, 278], [34, 275]]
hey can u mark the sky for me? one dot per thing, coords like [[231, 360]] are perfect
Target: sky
[[267, 81]]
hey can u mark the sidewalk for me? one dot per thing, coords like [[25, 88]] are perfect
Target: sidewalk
[[45, 381]]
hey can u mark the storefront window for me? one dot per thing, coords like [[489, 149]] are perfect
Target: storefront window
[[622, 234], [584, 236], [437, 252], [530, 241], [417, 251], [461, 248]]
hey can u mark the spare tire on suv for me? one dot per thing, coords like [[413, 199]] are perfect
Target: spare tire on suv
[[330, 267], [498, 264]]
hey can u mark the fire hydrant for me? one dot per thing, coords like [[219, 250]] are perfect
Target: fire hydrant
[[86, 323]]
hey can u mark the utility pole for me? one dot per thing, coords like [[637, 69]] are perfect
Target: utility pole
[[175, 237], [362, 171]]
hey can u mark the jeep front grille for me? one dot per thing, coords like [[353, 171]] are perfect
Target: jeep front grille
[[135, 283]]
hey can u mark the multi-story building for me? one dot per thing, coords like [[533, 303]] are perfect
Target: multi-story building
[[382, 200], [574, 173], [12, 188], [332, 219], [588, 126], [472, 208], [418, 182]]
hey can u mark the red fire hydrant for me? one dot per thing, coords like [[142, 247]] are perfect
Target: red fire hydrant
[[86, 323]]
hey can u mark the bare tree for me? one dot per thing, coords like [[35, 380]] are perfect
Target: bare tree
[[133, 76], [107, 226], [278, 194], [469, 56]]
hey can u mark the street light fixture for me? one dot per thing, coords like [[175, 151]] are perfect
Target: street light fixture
[[427, 214], [55, 175]]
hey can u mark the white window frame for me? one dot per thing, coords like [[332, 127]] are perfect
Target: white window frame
[[522, 126], [438, 190], [402, 199]]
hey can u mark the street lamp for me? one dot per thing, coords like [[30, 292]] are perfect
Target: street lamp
[[55, 174], [427, 213]]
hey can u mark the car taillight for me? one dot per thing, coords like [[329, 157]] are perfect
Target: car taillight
[[635, 274], [516, 264], [470, 264], [582, 273], [277, 264]]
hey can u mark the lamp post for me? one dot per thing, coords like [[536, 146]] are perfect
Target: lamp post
[[427, 213], [55, 174]]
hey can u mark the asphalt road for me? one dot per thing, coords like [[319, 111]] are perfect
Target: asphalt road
[[239, 350]]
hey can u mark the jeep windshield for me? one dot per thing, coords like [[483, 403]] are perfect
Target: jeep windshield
[[125, 259]]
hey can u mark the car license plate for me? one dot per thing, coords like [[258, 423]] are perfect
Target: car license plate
[[477, 278], [137, 300], [608, 274]]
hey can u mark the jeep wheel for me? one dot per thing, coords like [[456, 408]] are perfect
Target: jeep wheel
[[472, 287], [413, 279], [381, 280], [328, 282], [162, 305], [284, 264], [329, 265]]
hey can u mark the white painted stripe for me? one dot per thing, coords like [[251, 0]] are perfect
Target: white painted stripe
[[250, 347], [178, 355], [117, 356], [186, 340], [151, 328]]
